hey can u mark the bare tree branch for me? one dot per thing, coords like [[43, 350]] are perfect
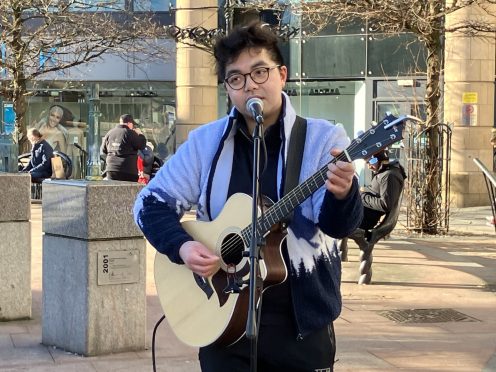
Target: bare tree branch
[[428, 20], [39, 37]]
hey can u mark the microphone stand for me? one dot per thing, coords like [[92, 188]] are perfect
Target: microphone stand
[[82, 161], [255, 281]]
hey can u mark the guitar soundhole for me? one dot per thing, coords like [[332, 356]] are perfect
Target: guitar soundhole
[[232, 249]]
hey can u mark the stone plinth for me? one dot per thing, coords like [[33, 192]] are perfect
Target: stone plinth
[[90, 209], [15, 270], [15, 193], [15, 246], [81, 316], [94, 291]]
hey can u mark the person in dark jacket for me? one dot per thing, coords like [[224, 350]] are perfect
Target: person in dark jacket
[[40, 163], [384, 191], [120, 148]]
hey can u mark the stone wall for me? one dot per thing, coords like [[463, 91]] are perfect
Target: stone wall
[[469, 105]]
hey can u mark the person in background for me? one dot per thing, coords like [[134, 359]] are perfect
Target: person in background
[[120, 148], [384, 191], [40, 163], [145, 163], [296, 326]]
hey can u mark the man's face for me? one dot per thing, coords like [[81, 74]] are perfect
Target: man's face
[[32, 139], [269, 92], [130, 125]]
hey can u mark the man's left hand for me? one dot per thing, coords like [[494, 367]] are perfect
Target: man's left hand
[[339, 176]]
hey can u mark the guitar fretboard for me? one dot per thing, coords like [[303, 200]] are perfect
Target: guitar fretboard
[[289, 202], [367, 144]]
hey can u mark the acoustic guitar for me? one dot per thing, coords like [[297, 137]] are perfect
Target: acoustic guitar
[[202, 311]]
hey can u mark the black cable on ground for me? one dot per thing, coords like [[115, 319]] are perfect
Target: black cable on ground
[[153, 341]]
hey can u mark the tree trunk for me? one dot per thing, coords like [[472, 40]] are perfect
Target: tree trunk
[[20, 106], [431, 190], [19, 89]]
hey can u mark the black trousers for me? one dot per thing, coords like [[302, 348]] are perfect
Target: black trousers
[[38, 177], [278, 350], [120, 176], [370, 218]]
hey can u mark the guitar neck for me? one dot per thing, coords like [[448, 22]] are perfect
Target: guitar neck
[[388, 131], [290, 201]]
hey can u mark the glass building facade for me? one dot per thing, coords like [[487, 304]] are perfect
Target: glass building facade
[[150, 103], [63, 105], [351, 75]]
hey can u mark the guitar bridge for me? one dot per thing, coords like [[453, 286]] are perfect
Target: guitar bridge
[[233, 282]]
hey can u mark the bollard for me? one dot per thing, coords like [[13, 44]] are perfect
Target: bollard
[[15, 247], [94, 287]]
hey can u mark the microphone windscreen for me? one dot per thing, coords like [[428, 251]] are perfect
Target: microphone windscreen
[[252, 103]]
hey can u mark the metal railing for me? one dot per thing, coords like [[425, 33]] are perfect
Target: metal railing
[[490, 179], [428, 178]]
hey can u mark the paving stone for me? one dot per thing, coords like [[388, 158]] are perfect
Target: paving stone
[[431, 272]]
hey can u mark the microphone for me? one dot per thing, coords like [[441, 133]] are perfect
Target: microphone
[[76, 145], [255, 107]]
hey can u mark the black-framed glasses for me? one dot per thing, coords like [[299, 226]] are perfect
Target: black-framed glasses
[[259, 75]]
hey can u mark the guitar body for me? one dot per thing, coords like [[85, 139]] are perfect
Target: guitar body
[[199, 310]]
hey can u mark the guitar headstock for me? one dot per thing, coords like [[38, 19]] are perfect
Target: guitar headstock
[[387, 132]]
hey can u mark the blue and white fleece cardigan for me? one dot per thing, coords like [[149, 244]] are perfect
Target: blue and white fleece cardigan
[[198, 175]]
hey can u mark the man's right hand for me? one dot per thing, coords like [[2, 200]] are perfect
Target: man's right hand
[[199, 258]]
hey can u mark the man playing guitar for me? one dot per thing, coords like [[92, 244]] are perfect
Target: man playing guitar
[[296, 324]]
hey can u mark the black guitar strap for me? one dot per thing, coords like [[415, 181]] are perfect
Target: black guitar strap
[[295, 158]]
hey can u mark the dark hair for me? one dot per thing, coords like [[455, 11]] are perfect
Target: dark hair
[[382, 155], [255, 35], [127, 118]]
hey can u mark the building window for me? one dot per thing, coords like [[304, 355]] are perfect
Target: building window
[[99, 5], [334, 57], [153, 5], [400, 54]]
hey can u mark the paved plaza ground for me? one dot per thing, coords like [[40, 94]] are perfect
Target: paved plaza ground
[[449, 282]]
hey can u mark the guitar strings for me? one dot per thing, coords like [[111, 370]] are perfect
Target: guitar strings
[[232, 243]]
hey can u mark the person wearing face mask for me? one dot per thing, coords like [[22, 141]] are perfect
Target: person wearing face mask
[[215, 164], [384, 191]]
